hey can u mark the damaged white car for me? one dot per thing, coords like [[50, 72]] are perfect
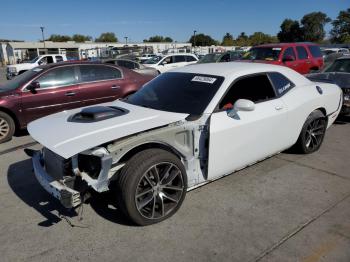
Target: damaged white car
[[181, 130]]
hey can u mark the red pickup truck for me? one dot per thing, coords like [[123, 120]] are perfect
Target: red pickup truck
[[302, 57]]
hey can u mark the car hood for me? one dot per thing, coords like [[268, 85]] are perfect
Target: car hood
[[339, 78], [67, 138]]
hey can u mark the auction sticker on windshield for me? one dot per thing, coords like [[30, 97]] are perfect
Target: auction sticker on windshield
[[204, 79]]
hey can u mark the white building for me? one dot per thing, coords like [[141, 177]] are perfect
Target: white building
[[12, 52]]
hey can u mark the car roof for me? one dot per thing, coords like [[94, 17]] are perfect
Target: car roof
[[178, 54], [344, 57], [227, 69], [285, 44], [68, 63]]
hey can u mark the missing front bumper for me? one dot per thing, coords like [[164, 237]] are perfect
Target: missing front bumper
[[68, 197]]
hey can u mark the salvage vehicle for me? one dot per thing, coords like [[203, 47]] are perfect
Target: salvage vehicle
[[183, 129], [171, 61], [14, 70], [301, 57], [228, 56], [339, 73], [133, 65], [56, 87]]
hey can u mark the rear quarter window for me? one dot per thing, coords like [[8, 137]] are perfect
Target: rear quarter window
[[280, 83], [315, 51]]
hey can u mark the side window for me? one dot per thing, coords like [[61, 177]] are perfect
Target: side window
[[180, 58], [289, 52], [90, 73], [256, 88], [225, 58], [190, 58], [302, 53], [168, 60], [61, 76], [49, 59], [315, 51], [59, 58], [281, 83]]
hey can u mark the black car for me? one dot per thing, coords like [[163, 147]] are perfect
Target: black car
[[339, 73]]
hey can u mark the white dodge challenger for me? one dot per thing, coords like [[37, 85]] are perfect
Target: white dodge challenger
[[181, 130]]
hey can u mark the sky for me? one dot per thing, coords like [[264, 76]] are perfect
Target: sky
[[140, 19]]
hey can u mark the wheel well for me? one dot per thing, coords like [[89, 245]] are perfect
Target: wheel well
[[323, 110], [13, 116], [143, 147]]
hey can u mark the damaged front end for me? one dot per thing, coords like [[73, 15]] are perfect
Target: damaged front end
[[68, 180]]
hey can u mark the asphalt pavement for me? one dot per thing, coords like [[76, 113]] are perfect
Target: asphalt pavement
[[287, 208]]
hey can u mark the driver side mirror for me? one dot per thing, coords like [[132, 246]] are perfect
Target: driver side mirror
[[244, 105], [241, 105], [33, 86], [288, 58], [164, 62]]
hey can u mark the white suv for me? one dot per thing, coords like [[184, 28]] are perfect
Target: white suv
[[171, 61]]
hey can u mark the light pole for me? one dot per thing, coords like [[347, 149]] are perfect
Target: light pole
[[126, 40], [194, 39], [42, 33]]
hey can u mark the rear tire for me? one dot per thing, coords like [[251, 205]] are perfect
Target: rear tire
[[312, 133], [151, 186], [7, 127]]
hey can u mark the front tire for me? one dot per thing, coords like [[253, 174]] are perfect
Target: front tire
[[312, 134], [151, 186], [7, 127]]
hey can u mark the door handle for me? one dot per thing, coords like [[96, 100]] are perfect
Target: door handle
[[115, 87], [70, 94], [278, 107], [308, 62]]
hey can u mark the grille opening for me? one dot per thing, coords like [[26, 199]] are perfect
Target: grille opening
[[90, 165]]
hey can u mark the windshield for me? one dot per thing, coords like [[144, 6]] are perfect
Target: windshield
[[19, 80], [34, 60], [178, 92], [153, 60], [209, 58], [341, 65], [263, 53]]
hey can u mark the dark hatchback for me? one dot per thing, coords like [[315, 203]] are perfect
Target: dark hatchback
[[52, 88], [339, 73]]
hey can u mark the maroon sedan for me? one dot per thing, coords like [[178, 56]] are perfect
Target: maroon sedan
[[48, 89]]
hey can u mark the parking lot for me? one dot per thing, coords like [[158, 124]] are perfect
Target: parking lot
[[287, 208]]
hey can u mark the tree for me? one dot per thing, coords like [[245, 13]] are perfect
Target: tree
[[242, 40], [158, 39], [313, 26], [290, 31], [107, 37], [81, 38], [59, 38], [168, 39], [202, 40], [259, 38], [340, 32], [227, 40]]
